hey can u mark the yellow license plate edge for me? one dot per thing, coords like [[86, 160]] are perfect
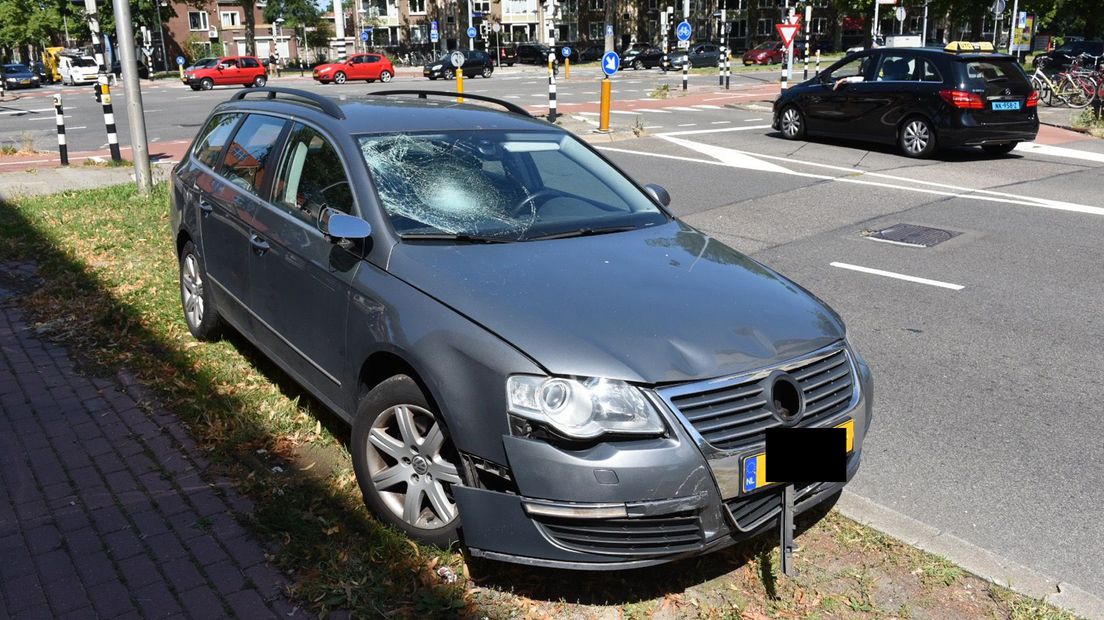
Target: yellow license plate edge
[[760, 459]]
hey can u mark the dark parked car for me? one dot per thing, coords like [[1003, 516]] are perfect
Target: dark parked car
[[477, 293], [45, 76], [506, 56], [643, 58], [1063, 55], [920, 99], [18, 76], [533, 54], [587, 52], [699, 55], [143, 69], [475, 63]]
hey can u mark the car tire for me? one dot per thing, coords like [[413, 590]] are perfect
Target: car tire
[[386, 76], [432, 78], [791, 122], [638, 66], [206, 84], [916, 137], [450, 74], [340, 77], [195, 86], [999, 149], [487, 72], [200, 311], [398, 441], [260, 81], [509, 64]]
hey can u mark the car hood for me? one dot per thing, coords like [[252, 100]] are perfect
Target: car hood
[[653, 305]]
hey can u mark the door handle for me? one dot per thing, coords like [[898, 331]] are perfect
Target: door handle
[[260, 246], [205, 206]]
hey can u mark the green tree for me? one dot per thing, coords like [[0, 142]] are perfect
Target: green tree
[[319, 38]]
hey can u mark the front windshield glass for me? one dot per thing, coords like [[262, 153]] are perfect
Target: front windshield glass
[[508, 186], [765, 46], [206, 63], [15, 69], [84, 62]]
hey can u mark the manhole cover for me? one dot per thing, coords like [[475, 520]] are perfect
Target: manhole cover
[[911, 234]]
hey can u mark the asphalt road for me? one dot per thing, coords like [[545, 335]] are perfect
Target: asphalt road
[[989, 420]]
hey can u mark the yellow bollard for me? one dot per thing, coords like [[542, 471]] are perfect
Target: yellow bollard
[[460, 84], [181, 67], [603, 119], [567, 68]]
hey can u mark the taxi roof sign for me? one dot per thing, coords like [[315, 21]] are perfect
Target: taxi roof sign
[[958, 47]]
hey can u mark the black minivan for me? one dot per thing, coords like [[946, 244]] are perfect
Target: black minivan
[[919, 99]]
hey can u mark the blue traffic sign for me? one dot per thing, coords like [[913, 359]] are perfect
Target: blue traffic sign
[[433, 36], [609, 30], [611, 62], [180, 60], [433, 26], [566, 51], [472, 32], [683, 31], [365, 35]]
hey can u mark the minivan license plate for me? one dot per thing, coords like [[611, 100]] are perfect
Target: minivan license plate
[[1006, 105]]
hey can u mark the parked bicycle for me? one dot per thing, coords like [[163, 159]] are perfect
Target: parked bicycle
[[1074, 88]]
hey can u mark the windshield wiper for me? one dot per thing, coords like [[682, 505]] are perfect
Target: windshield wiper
[[459, 238], [582, 232]]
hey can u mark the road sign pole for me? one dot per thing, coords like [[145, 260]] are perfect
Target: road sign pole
[[101, 80], [817, 63], [604, 117], [551, 95], [728, 67], [1012, 25], [135, 112], [720, 68], [567, 68], [808, 27]]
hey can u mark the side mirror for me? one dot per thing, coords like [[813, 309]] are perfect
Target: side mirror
[[658, 194], [342, 226]]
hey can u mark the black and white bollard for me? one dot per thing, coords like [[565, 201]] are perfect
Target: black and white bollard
[[720, 67], [685, 73], [109, 120], [785, 72], [551, 97], [817, 72], [728, 68], [59, 116]]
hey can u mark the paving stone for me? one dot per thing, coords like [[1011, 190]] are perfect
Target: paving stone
[[203, 604], [111, 599], [157, 601], [248, 604]]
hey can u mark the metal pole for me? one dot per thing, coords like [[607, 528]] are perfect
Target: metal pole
[[874, 26], [471, 41], [808, 27], [924, 33], [59, 117], [125, 31], [101, 80], [1012, 23], [551, 92]]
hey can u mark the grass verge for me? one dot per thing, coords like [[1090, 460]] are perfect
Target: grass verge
[[110, 293]]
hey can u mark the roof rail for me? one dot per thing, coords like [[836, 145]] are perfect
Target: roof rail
[[324, 103], [423, 94]]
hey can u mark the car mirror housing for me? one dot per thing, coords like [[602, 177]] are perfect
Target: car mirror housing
[[658, 194], [343, 226]]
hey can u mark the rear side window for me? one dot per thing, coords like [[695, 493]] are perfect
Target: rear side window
[[896, 68], [250, 63], [371, 59], [248, 154], [209, 145], [928, 72]]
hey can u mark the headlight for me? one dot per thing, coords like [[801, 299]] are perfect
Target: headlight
[[435, 68], [583, 408]]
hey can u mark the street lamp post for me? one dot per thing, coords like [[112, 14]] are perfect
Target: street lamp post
[[471, 40]]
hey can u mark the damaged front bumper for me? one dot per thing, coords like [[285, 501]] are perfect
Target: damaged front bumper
[[620, 505]]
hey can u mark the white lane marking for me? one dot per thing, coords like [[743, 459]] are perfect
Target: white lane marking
[[652, 110], [681, 109], [720, 122], [653, 126], [752, 120], [1059, 151], [688, 125], [720, 130], [513, 96], [190, 97], [899, 276], [28, 111], [708, 107], [48, 118], [588, 113], [622, 112], [756, 164]]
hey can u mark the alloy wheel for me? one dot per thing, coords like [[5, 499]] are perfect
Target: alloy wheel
[[408, 468], [191, 287], [916, 136], [385, 76], [791, 122], [339, 78]]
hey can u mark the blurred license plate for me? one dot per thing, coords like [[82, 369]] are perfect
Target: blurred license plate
[[25, 82], [754, 467], [1006, 105]]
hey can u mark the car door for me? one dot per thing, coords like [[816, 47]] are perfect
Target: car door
[[876, 106], [223, 236], [357, 68], [301, 278], [371, 67], [825, 103]]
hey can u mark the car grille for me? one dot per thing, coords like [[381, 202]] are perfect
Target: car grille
[[735, 413], [645, 536], [752, 512]]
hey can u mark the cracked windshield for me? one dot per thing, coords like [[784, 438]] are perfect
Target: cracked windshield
[[501, 186]]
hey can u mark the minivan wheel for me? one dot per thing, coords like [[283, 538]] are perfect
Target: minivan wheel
[[206, 84], [999, 149], [792, 123], [339, 77], [917, 138], [405, 463], [200, 312]]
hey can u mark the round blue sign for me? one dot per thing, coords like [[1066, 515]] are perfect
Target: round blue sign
[[683, 31], [180, 60], [566, 51], [364, 35], [611, 62], [471, 32]]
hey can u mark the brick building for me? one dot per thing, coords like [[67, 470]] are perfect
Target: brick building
[[218, 28]]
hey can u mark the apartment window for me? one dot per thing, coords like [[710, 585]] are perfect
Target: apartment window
[[764, 27], [653, 4], [766, 4], [739, 28], [596, 31], [417, 7], [597, 5], [229, 19], [197, 20], [819, 25], [482, 6]]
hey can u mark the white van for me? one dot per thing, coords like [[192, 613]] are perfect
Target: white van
[[77, 69]]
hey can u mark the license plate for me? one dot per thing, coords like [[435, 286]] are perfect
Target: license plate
[[1006, 105], [754, 467], [25, 82]]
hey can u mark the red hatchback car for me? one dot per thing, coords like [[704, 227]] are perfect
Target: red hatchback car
[[207, 73], [367, 67]]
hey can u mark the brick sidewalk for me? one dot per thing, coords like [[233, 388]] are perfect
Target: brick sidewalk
[[103, 512]]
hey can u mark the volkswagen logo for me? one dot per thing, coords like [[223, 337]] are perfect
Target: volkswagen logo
[[785, 398]]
